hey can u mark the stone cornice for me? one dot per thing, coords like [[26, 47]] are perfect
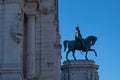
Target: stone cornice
[[10, 68], [80, 64], [31, 0], [9, 1]]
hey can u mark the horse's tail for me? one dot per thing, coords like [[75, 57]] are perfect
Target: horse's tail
[[65, 44]]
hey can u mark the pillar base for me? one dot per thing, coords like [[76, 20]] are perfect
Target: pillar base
[[11, 72], [79, 70]]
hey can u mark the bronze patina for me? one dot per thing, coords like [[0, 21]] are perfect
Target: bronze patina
[[83, 45]]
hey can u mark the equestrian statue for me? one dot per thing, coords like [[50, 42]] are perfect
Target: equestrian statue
[[83, 45]]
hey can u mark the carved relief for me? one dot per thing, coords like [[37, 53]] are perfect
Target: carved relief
[[16, 29]]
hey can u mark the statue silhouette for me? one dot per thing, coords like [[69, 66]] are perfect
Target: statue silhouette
[[78, 37], [80, 44], [73, 45]]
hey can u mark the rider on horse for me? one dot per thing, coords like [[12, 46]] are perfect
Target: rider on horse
[[78, 37]]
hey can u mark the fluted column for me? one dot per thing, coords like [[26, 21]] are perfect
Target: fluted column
[[31, 46]]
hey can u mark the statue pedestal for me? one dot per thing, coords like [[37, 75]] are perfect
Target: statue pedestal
[[79, 70]]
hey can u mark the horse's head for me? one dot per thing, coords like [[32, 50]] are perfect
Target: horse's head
[[94, 40], [91, 39]]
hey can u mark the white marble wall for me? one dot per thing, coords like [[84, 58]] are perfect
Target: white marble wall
[[50, 54], [41, 58], [10, 50]]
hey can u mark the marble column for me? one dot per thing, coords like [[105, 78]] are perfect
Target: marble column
[[31, 46], [79, 70]]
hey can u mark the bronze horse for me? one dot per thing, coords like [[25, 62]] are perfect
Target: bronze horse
[[73, 45]]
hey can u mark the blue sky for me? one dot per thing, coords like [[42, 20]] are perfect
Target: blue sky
[[95, 17]]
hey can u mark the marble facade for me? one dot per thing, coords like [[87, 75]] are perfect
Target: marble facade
[[29, 40], [30, 46]]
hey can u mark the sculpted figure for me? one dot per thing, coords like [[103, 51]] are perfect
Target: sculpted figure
[[84, 45], [16, 29], [78, 36]]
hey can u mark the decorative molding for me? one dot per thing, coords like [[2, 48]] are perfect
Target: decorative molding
[[9, 1], [15, 68], [46, 11], [31, 0], [30, 7], [12, 71]]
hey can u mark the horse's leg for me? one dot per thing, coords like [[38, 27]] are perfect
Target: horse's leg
[[93, 51], [67, 55], [86, 56], [81, 52], [73, 53]]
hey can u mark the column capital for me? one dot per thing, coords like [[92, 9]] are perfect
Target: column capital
[[30, 7]]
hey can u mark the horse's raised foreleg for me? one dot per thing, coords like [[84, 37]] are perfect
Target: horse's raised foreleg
[[73, 53], [93, 51], [67, 55], [86, 55]]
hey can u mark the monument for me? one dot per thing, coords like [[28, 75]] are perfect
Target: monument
[[79, 69], [83, 45], [29, 40], [30, 44]]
